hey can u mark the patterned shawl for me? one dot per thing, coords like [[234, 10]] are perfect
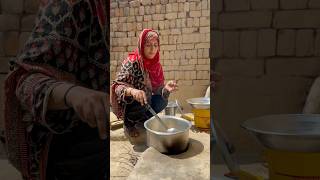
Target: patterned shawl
[[138, 72], [70, 43]]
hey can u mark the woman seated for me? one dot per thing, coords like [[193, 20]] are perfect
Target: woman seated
[[140, 82]]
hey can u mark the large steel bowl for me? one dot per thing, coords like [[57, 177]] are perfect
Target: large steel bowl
[[288, 132], [199, 103], [168, 142]]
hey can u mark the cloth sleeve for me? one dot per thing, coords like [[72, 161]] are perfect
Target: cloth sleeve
[[33, 92]]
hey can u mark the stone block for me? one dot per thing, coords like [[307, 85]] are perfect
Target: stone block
[[205, 13], [134, 3], [203, 61], [123, 4], [186, 6], [189, 30], [240, 67], [317, 44], [206, 53], [200, 82], [264, 4], [217, 6], [217, 44], [28, 22], [203, 75], [164, 2], [202, 68], [168, 47], [192, 6], [145, 2], [155, 2], [9, 22], [147, 18], [305, 42], [297, 19], [196, 22], [172, 23], [158, 17], [293, 67], [175, 7], [12, 6], [248, 44], [31, 6], [141, 10], [182, 15], [190, 22], [192, 61], [171, 16], [181, 7], [195, 13], [161, 25], [116, 5], [286, 43], [237, 5], [231, 44], [185, 46], [205, 21], [152, 9], [204, 5], [266, 42], [175, 31], [254, 19], [4, 64], [314, 4], [11, 43], [200, 53], [2, 52], [204, 30], [168, 8], [293, 4]]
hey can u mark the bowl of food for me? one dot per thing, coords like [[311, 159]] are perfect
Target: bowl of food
[[168, 142], [199, 103], [287, 132]]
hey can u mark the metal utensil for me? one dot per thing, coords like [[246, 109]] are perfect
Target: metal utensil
[[165, 142], [160, 120], [199, 103], [226, 148], [288, 132], [228, 154], [170, 109], [179, 108]]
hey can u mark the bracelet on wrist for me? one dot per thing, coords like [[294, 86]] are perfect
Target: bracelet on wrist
[[65, 95]]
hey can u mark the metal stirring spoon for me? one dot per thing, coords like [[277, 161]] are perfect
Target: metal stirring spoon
[[170, 130]]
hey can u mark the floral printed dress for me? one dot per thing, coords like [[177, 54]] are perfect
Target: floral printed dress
[[67, 44]]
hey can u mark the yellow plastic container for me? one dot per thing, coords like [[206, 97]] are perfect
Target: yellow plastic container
[[285, 165], [202, 118]]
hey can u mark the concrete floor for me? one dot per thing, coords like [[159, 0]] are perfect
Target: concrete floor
[[255, 169], [8, 172]]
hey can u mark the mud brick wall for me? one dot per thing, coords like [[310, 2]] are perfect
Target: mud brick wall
[[268, 52], [184, 27], [16, 22]]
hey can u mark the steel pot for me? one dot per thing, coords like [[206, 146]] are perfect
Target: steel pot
[[199, 103], [168, 142]]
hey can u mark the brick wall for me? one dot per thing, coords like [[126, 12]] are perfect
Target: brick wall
[[268, 53], [184, 27], [16, 22]]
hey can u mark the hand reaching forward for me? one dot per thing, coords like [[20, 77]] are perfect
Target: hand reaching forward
[[91, 106]]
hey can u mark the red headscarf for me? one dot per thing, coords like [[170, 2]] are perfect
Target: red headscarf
[[152, 66]]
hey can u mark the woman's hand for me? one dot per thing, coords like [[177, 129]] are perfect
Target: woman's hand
[[171, 86], [139, 96], [91, 106]]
